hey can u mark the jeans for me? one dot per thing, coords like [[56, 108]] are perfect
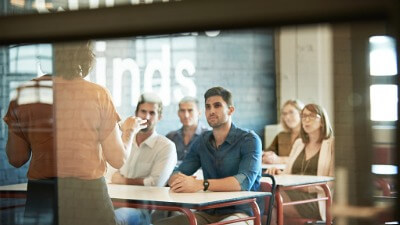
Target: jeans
[[130, 216], [203, 219]]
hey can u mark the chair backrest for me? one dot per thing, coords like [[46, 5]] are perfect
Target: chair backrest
[[266, 187], [270, 131], [269, 200], [384, 186]]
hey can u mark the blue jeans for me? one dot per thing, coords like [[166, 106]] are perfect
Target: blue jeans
[[130, 216]]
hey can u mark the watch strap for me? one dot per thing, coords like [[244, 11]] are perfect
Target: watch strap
[[205, 185]]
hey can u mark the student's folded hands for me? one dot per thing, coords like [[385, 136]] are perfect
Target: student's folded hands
[[180, 182]]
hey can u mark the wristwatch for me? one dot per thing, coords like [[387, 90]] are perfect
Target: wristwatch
[[206, 184]]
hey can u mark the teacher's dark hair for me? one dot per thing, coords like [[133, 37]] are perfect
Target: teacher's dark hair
[[73, 59]]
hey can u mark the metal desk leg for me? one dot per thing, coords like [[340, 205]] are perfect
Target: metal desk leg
[[328, 203], [279, 206], [256, 212], [190, 215]]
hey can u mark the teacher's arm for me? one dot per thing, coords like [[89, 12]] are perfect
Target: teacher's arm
[[18, 150]]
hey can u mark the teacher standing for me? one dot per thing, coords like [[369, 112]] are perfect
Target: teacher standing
[[66, 128]]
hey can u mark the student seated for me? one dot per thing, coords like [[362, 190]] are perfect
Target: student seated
[[151, 161], [280, 147], [312, 154], [229, 156], [191, 129]]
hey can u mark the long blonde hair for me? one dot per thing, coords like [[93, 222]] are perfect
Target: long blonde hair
[[296, 104]]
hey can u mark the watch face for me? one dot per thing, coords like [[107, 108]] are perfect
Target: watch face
[[205, 184]]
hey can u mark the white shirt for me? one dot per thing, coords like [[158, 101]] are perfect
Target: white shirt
[[154, 160]]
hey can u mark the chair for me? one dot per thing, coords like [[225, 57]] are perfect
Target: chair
[[294, 221], [385, 196], [384, 186], [270, 131], [269, 200]]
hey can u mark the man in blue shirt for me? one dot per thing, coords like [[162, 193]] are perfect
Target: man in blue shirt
[[184, 138], [230, 158]]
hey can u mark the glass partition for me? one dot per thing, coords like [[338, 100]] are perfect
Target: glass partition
[[172, 66], [333, 65]]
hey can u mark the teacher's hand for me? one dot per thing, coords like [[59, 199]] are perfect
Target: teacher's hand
[[133, 124]]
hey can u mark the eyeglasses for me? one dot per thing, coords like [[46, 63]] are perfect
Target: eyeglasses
[[311, 117], [289, 113]]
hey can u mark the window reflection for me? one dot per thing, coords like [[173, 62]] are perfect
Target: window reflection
[[383, 102], [31, 59], [51, 6], [382, 56]]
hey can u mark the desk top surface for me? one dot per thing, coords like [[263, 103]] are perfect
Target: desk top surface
[[293, 180], [163, 195], [14, 187], [279, 166]]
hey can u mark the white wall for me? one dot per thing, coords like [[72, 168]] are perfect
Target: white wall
[[305, 65]]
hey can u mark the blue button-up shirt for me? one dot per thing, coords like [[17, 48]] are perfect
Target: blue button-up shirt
[[177, 137], [238, 156]]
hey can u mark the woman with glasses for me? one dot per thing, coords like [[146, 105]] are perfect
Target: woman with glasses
[[312, 154], [279, 150]]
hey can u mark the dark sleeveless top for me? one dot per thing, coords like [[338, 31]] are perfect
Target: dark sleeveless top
[[302, 166]]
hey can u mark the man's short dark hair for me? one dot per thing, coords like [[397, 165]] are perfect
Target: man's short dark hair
[[150, 98], [220, 91]]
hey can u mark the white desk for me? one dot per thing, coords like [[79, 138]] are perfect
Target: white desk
[[163, 199], [163, 195], [14, 187], [287, 180], [290, 182], [279, 166]]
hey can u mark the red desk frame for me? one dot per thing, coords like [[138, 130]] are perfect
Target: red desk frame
[[280, 204], [192, 219], [184, 208]]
